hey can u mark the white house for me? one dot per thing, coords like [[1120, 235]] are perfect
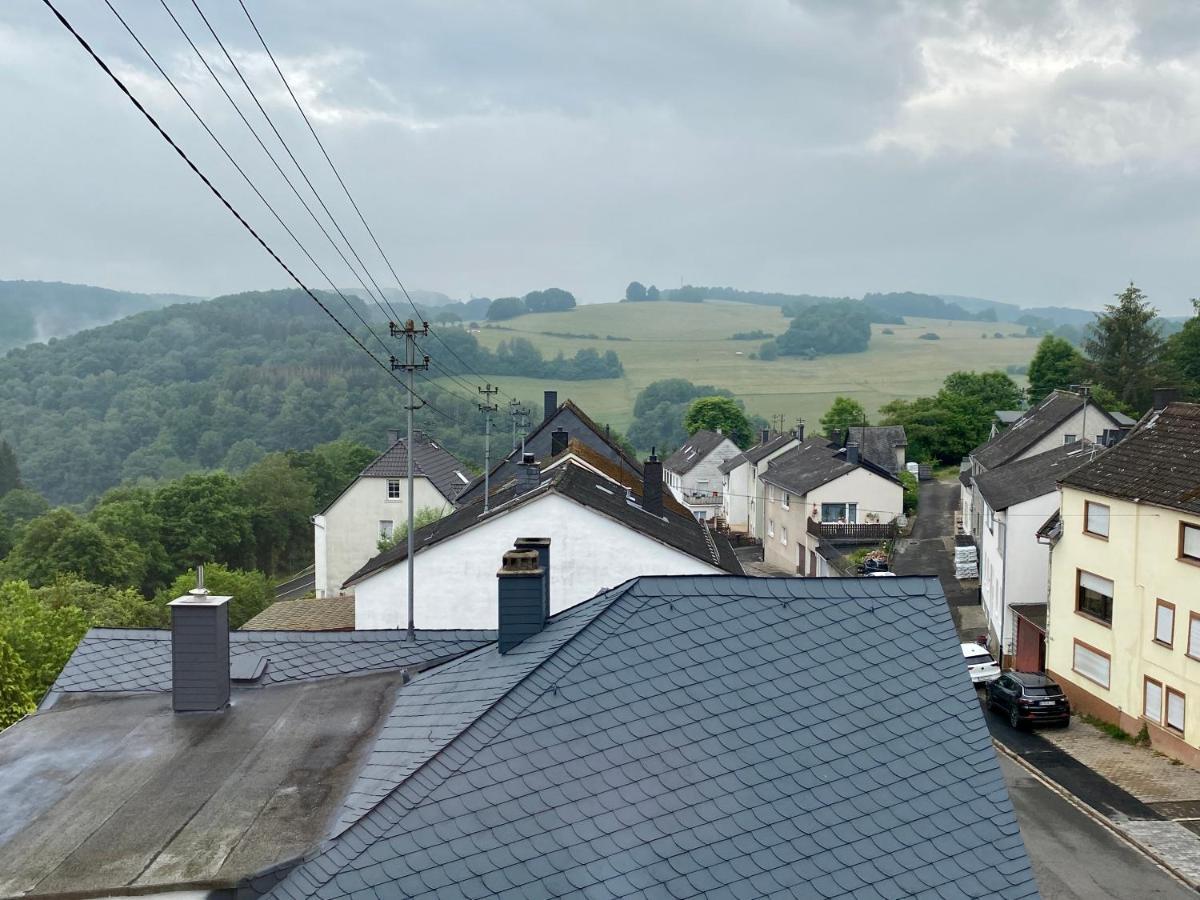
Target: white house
[[742, 500], [816, 488], [604, 529], [693, 472], [1062, 418], [1014, 566], [347, 531]]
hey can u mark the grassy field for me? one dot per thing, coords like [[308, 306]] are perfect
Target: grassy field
[[685, 340]]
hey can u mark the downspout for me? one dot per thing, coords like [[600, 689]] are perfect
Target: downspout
[[1004, 590]]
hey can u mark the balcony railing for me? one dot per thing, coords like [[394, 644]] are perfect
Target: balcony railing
[[867, 533]]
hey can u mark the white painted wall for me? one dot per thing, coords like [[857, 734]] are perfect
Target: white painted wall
[[456, 579], [704, 477], [345, 536], [735, 500], [758, 499]]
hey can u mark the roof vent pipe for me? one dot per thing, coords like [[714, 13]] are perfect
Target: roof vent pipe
[[199, 650], [852, 453], [549, 404], [520, 595], [652, 485], [541, 546]]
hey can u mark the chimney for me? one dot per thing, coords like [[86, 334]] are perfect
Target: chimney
[[199, 650], [852, 453], [541, 546], [652, 485], [529, 475], [800, 430], [521, 593], [549, 404], [558, 441], [764, 436], [1164, 396], [393, 435]]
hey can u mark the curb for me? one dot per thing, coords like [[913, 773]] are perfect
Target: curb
[[1094, 814]]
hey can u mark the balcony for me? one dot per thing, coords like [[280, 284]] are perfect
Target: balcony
[[852, 534]]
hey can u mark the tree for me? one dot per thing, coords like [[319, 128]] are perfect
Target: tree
[[205, 519], [957, 419], [635, 292], [652, 293], [426, 515], [280, 500], [843, 327], [719, 414], [60, 543], [22, 505], [1182, 352], [1055, 364], [1124, 349], [505, 308], [549, 300], [42, 637], [447, 317], [659, 409], [252, 592], [842, 414], [15, 699], [10, 475]]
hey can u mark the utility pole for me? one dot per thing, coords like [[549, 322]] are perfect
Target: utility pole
[[413, 360], [514, 410], [523, 415], [487, 407]]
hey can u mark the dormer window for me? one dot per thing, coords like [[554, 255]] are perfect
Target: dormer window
[[393, 488]]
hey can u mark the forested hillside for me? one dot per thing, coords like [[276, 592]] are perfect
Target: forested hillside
[[39, 310], [220, 383]]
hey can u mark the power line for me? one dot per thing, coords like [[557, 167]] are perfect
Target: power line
[[239, 169], [213, 188], [346, 189]]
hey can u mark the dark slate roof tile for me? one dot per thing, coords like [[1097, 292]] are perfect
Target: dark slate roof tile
[[430, 459], [1034, 425]]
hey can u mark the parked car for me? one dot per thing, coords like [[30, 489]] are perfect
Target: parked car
[[1029, 699], [980, 665]]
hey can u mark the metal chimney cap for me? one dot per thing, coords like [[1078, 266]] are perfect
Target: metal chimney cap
[[191, 599]]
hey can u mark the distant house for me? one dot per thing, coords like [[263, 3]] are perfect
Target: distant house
[[560, 424], [346, 533], [742, 499], [1014, 564], [815, 485], [693, 472], [885, 446], [605, 527], [1062, 418], [321, 614]]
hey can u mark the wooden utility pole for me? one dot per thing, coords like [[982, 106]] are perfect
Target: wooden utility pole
[[413, 360]]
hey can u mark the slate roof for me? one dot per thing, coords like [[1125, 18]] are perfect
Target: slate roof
[[878, 443], [1158, 463], [1033, 476], [698, 446], [319, 614], [813, 463], [430, 459], [133, 659], [1037, 422], [1008, 416], [705, 736], [678, 530], [757, 452]]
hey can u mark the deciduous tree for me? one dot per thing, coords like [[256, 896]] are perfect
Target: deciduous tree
[[719, 414], [842, 414]]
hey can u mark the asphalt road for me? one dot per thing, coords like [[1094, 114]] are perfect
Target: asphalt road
[[1076, 857]]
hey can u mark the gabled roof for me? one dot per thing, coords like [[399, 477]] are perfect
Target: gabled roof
[[878, 443], [757, 452], [139, 659], [600, 494], [1158, 463], [700, 735], [319, 614], [1033, 476], [694, 449], [813, 463], [1036, 424], [1008, 416], [430, 459]]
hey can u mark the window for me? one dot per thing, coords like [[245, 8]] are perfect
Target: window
[[770, 528], [1094, 597], [991, 518], [1193, 647], [1189, 542], [839, 513], [385, 528], [787, 500], [1095, 519], [1068, 438], [393, 489], [1164, 623], [1152, 701], [1094, 665], [1176, 707], [783, 535]]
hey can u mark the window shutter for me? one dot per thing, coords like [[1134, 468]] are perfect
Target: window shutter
[[1164, 624], [1175, 710], [1191, 541], [1091, 665], [1096, 583], [1194, 638], [1153, 703]]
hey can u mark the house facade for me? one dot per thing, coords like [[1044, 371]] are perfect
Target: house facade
[[743, 500], [346, 533], [884, 445], [693, 472], [1124, 614], [818, 484]]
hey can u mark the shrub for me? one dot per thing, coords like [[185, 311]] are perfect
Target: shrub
[[930, 336]]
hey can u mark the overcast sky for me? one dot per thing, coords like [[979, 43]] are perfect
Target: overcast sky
[[1034, 152]]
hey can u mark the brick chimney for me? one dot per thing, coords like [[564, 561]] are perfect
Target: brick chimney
[[800, 430], [852, 453], [393, 435], [558, 441], [764, 436], [1164, 396], [549, 404], [529, 474], [652, 485], [521, 592], [199, 650], [541, 546]]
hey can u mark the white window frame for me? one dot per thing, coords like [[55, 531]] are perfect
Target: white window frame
[[387, 527], [786, 502], [1069, 439], [396, 483], [849, 513], [783, 534], [1164, 623], [1088, 506], [770, 528], [1152, 703], [1186, 528], [1193, 645], [1176, 715]]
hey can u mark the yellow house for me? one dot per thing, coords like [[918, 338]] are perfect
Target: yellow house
[[1123, 623]]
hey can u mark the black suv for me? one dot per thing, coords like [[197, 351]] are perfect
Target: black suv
[[1029, 699]]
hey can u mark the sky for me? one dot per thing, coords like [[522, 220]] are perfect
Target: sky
[[1032, 152]]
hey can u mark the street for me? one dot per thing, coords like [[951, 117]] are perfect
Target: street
[[1074, 856]]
